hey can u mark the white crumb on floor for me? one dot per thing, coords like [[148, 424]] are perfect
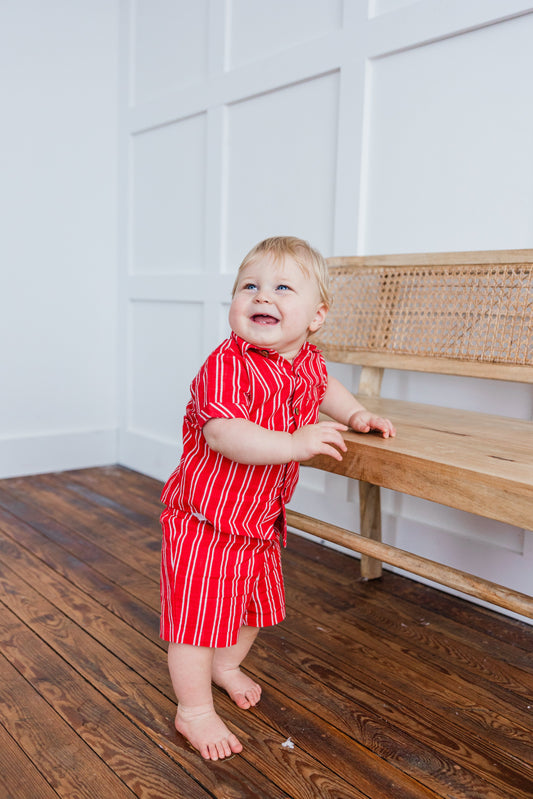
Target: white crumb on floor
[[288, 744]]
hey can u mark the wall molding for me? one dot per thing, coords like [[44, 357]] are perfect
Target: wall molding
[[148, 454], [54, 452]]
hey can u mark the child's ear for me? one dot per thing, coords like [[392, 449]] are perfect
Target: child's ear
[[319, 318]]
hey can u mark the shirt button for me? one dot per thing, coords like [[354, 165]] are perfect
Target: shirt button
[[296, 411], [265, 353]]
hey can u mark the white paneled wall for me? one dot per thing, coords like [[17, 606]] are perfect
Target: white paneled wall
[[58, 239], [451, 122], [281, 162], [168, 166], [381, 126], [260, 30], [170, 44]]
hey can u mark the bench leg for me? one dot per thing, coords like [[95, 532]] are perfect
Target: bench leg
[[370, 517]]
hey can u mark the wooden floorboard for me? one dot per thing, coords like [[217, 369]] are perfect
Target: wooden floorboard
[[388, 690]]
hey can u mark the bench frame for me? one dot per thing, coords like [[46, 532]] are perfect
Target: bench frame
[[499, 480]]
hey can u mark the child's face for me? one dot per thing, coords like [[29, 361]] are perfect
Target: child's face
[[276, 305]]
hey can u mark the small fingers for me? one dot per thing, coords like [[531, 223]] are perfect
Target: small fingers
[[332, 444], [388, 430], [384, 426], [336, 441], [333, 426], [332, 452]]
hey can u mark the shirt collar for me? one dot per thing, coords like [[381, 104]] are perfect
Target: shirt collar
[[245, 347]]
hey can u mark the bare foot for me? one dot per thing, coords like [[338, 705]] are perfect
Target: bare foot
[[206, 731], [241, 688]]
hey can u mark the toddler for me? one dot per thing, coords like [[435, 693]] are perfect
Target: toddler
[[252, 417]]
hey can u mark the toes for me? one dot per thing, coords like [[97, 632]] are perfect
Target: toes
[[248, 698], [214, 751], [205, 751], [207, 733], [222, 749], [241, 688], [242, 701]]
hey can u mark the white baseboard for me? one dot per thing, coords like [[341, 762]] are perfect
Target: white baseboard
[[147, 454], [57, 452]]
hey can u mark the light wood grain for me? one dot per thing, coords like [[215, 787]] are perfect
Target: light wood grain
[[369, 495], [436, 258], [370, 518], [479, 463], [432, 570], [516, 373]]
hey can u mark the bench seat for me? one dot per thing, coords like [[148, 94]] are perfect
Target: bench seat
[[472, 461]]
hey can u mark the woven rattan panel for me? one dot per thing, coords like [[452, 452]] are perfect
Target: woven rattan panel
[[463, 312]]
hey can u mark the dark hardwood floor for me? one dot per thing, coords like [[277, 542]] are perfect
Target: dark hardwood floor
[[388, 690]]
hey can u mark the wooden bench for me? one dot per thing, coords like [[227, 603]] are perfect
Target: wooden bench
[[465, 313]]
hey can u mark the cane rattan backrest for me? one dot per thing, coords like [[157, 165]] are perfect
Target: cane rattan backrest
[[454, 313]]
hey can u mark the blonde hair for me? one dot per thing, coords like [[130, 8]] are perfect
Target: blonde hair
[[308, 259]]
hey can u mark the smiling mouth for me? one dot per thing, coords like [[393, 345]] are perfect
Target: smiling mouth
[[264, 319]]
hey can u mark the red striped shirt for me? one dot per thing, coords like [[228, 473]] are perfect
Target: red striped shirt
[[240, 381]]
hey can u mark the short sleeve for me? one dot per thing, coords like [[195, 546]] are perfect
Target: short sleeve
[[322, 374], [221, 390]]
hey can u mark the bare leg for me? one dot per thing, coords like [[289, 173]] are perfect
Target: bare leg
[[190, 671], [227, 674]]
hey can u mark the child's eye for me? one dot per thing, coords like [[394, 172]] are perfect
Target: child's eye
[[283, 287], [249, 286]]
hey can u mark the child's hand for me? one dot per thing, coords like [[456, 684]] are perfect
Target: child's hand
[[318, 439], [363, 421]]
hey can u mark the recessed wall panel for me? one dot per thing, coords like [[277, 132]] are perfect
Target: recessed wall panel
[[463, 525], [449, 155], [377, 7], [494, 396], [169, 46], [165, 354], [281, 166], [168, 198], [259, 29]]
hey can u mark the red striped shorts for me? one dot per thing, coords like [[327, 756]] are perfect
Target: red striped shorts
[[214, 583]]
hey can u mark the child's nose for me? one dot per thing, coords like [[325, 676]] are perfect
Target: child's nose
[[262, 296]]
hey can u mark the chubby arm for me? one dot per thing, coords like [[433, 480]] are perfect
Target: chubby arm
[[246, 442], [341, 405]]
